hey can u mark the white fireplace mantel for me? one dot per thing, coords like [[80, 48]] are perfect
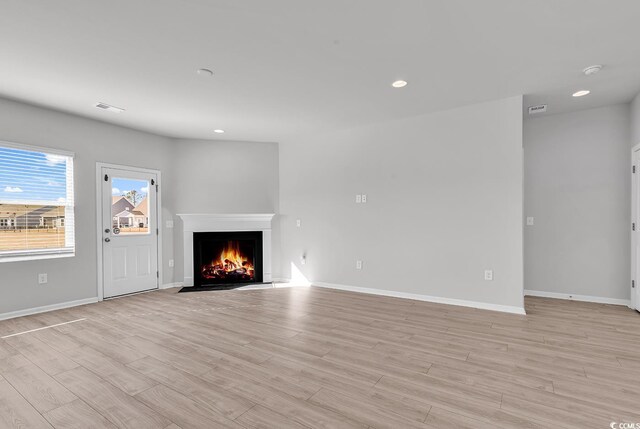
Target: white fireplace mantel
[[226, 222]]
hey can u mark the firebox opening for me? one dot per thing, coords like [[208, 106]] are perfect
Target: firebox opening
[[227, 258]]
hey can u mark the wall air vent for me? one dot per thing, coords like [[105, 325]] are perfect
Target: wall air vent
[[105, 106], [541, 108]]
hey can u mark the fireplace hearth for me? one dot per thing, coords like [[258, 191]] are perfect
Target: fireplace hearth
[[227, 258]]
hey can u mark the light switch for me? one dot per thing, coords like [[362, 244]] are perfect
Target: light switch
[[358, 199], [298, 223], [169, 224], [529, 221], [364, 198]]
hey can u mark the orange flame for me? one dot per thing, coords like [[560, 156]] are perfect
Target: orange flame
[[231, 261]]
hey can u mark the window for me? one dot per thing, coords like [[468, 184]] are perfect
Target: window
[[130, 206], [36, 203]]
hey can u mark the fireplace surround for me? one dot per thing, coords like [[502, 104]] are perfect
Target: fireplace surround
[[230, 223]]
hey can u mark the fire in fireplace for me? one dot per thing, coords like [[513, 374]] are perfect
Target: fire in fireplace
[[232, 264], [227, 258]]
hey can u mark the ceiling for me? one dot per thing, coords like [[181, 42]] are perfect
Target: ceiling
[[289, 67]]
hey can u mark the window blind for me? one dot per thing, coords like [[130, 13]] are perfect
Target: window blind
[[36, 202]]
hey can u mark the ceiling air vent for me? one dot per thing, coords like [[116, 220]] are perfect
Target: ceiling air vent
[[541, 108], [105, 106]]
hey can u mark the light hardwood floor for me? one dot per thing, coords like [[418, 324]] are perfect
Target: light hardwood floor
[[318, 358]]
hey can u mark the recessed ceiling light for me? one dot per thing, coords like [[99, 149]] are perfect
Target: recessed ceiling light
[[581, 93], [399, 84], [205, 72], [110, 108], [218, 131]]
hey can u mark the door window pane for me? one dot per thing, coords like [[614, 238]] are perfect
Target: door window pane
[[130, 206]]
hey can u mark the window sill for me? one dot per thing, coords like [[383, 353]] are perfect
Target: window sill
[[36, 257]]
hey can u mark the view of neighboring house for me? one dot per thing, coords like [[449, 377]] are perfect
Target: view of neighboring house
[[7, 219], [18, 217], [126, 215], [141, 212], [121, 211]]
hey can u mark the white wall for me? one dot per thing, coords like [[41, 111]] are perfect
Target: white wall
[[74, 278], [225, 177], [577, 186], [444, 204]]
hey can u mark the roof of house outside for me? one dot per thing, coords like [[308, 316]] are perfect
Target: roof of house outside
[[124, 213], [11, 210], [120, 204], [143, 207]]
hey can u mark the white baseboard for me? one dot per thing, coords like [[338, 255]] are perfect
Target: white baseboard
[[584, 298], [171, 285], [272, 285], [281, 282], [43, 309], [417, 297]]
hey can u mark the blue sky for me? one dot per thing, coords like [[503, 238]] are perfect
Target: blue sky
[[121, 186], [34, 177], [27, 176]]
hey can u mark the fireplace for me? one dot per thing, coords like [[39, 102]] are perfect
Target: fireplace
[[255, 223], [227, 258]]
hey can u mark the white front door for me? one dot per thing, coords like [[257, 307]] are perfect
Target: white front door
[[129, 231]]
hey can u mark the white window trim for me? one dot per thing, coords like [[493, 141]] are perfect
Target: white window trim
[[39, 254], [34, 255], [51, 151]]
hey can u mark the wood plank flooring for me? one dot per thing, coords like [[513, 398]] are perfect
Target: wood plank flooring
[[317, 358]]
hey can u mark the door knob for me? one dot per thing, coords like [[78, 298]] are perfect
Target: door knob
[[107, 239]]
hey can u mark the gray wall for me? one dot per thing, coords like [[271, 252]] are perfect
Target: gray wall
[[197, 177], [577, 187], [75, 278], [224, 177], [444, 204]]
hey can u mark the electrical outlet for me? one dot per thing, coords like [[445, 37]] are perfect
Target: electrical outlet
[[364, 198], [529, 221], [169, 224], [171, 263], [358, 199], [358, 265], [488, 275], [42, 278], [298, 223]]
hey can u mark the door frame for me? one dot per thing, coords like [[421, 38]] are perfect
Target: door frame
[[635, 188], [158, 173]]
